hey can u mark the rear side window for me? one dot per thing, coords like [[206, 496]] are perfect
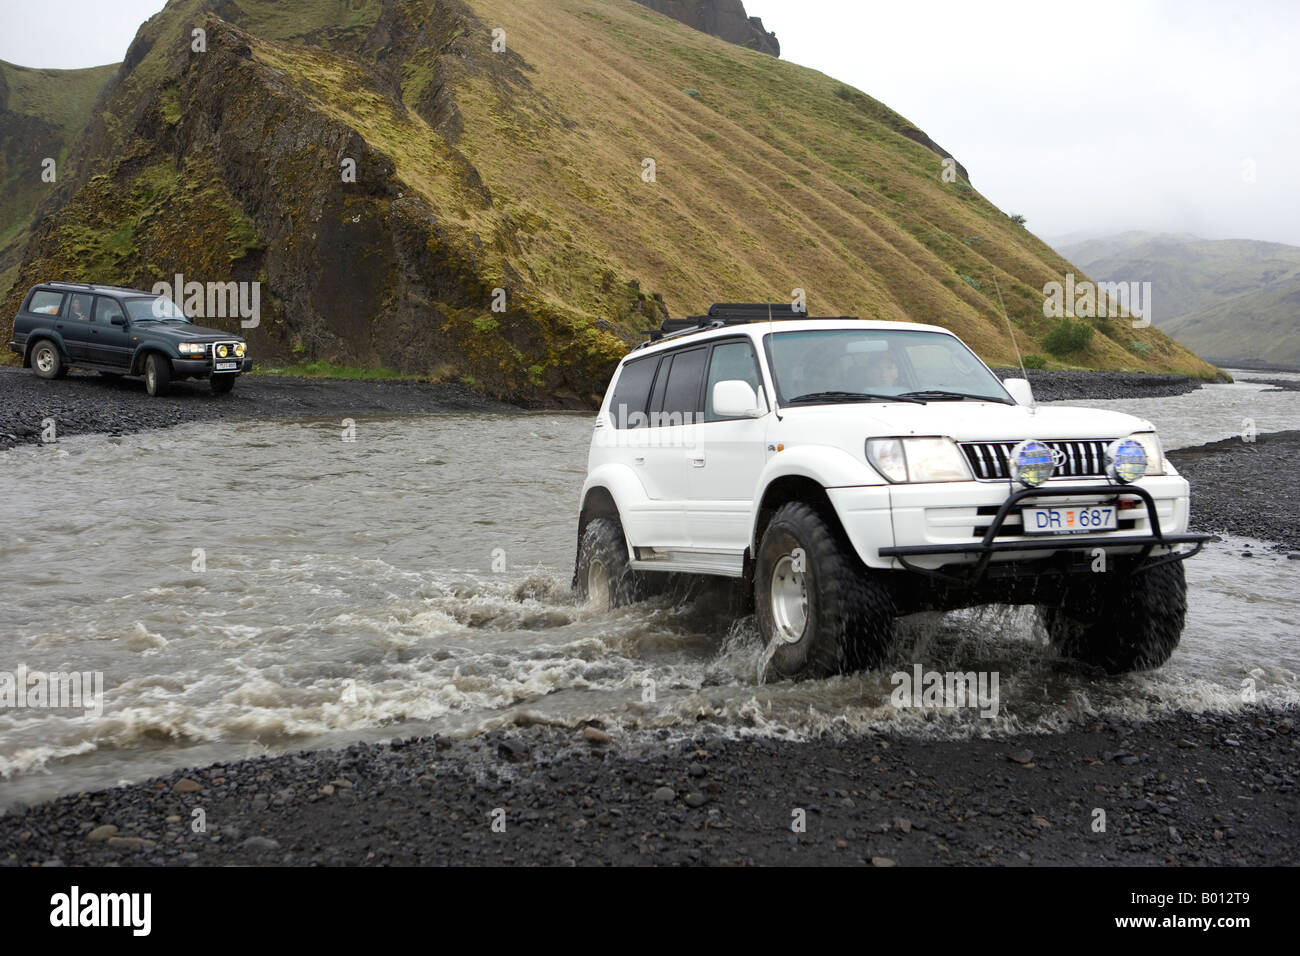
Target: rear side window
[[46, 303], [627, 409], [106, 310], [79, 307], [681, 402]]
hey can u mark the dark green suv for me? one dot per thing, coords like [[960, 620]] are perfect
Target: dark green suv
[[118, 331]]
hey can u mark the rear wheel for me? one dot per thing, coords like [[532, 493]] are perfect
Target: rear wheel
[[1121, 622], [820, 610], [46, 360], [221, 384], [157, 374], [605, 579]]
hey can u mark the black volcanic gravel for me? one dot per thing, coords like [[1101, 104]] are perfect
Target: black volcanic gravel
[[1246, 488], [1190, 789], [87, 403]]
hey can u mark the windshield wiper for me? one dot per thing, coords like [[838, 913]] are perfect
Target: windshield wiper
[[814, 397], [942, 395]]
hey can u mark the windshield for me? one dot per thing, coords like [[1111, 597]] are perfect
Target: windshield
[[154, 309], [847, 365]]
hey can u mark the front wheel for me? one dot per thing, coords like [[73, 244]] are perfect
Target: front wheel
[[820, 610], [221, 384], [157, 374], [1121, 622], [46, 360]]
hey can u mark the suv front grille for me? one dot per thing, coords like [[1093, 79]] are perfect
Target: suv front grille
[[1082, 458]]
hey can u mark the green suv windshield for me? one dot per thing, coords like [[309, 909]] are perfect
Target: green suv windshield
[[815, 367], [155, 309]]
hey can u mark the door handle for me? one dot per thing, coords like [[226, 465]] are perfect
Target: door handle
[[639, 459], [696, 459]]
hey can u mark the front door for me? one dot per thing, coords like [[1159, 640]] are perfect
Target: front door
[[109, 344], [728, 457]]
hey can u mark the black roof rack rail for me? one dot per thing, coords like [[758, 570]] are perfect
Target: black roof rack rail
[[732, 313]]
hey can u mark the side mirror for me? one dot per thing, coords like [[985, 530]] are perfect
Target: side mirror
[[117, 320], [735, 399], [1020, 390]]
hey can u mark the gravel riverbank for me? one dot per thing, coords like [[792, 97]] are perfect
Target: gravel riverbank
[[1246, 488], [87, 403], [1199, 789]]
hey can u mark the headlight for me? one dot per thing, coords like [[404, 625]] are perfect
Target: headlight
[[189, 348], [1151, 447], [1031, 463], [918, 459], [239, 350], [223, 351]]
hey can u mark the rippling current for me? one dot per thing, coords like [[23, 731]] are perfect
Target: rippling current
[[253, 587]]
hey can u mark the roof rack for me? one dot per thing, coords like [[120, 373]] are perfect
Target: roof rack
[[722, 314], [91, 285]]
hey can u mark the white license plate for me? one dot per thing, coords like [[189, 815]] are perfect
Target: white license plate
[[226, 366], [1069, 520]]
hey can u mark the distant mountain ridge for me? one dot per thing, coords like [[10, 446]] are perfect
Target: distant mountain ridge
[[1231, 301]]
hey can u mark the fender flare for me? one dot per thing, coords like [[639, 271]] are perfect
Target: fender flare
[[828, 467], [35, 336]]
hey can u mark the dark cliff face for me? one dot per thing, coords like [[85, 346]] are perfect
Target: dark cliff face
[[725, 19]]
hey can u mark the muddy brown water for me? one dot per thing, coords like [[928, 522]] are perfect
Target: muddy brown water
[[252, 587]]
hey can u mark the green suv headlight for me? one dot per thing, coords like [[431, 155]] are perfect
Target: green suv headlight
[[918, 459], [191, 348], [239, 350]]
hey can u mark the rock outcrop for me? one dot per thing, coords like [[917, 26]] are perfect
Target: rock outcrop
[[725, 19]]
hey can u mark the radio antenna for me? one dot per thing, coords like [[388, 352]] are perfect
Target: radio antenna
[[1010, 331]]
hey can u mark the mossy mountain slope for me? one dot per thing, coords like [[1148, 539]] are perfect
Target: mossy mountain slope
[[41, 114], [524, 170]]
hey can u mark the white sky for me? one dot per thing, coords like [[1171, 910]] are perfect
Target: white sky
[[1092, 116]]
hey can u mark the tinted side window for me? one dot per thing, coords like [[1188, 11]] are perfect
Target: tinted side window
[[79, 307], [106, 310], [631, 393], [732, 361], [46, 303], [681, 402]]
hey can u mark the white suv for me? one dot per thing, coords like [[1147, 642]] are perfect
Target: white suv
[[847, 472]]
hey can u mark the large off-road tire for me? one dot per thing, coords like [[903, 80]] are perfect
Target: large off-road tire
[[46, 360], [222, 384], [820, 610], [604, 577], [1120, 622], [157, 374]]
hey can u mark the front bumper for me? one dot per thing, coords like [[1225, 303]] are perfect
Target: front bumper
[[202, 367], [966, 527]]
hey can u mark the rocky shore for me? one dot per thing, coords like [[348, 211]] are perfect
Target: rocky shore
[[1191, 789], [86, 403]]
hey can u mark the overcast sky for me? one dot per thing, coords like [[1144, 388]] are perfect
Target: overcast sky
[[1095, 116]]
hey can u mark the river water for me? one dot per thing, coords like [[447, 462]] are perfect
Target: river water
[[255, 587]]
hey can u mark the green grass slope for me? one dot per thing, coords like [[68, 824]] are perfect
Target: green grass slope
[[523, 170]]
